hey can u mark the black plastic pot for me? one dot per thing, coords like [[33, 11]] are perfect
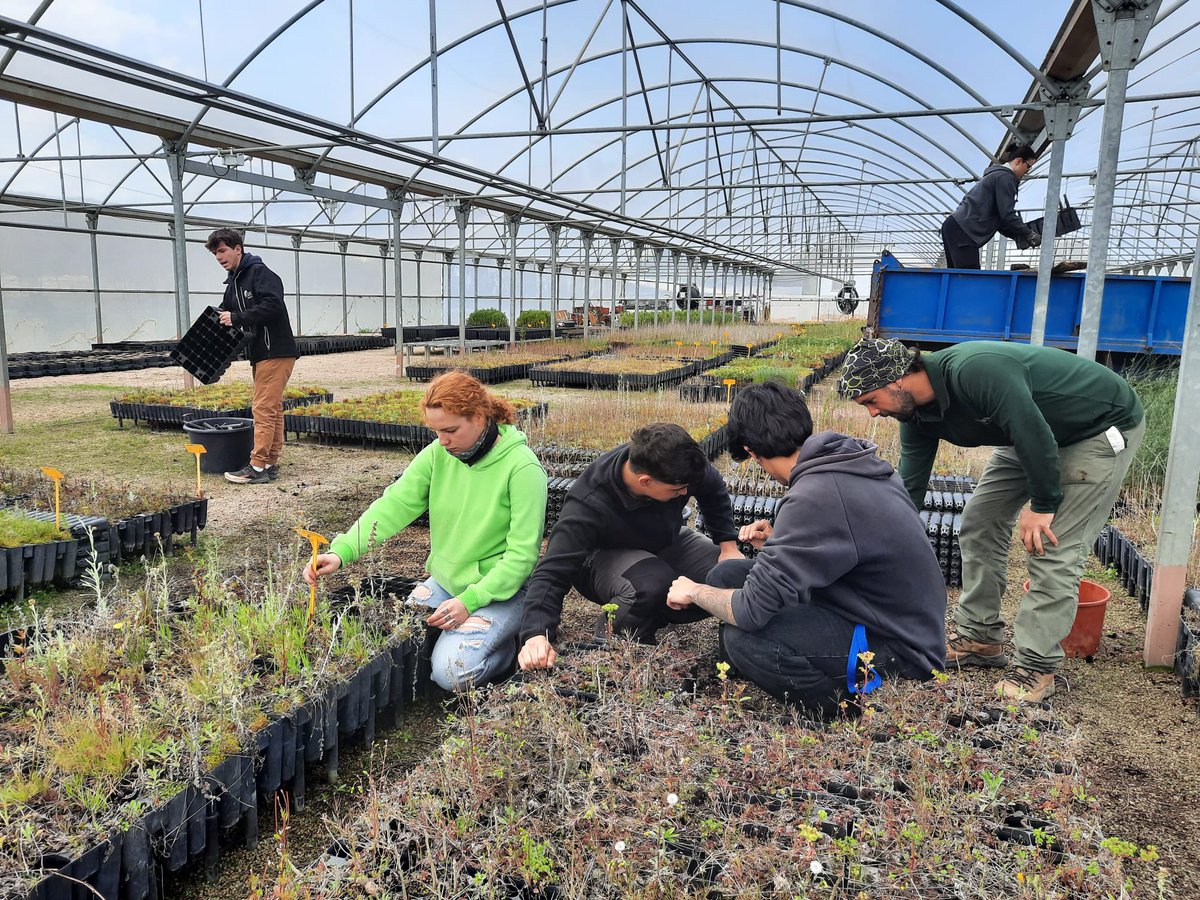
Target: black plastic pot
[[227, 440]]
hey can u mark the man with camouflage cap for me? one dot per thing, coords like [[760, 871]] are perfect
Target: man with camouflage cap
[[1065, 431]]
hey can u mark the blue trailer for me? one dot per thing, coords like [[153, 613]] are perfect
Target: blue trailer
[[1141, 313]]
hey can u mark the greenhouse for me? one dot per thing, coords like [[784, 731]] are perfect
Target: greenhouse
[[608, 218]]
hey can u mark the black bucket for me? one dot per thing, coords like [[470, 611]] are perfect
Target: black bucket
[[227, 442]]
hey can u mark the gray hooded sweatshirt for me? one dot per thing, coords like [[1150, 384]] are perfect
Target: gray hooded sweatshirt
[[990, 206], [846, 537]]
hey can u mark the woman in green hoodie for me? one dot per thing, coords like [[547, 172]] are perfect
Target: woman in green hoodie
[[486, 495]]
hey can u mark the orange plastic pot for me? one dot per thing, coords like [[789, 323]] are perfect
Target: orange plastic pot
[[1084, 637]]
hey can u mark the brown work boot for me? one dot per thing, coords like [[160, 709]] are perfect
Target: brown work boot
[[963, 651], [1026, 686]]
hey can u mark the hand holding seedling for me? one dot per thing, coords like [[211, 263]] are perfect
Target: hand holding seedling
[[756, 533], [449, 615], [536, 654], [682, 593], [323, 564]]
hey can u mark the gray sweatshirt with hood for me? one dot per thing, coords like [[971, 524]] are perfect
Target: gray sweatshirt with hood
[[990, 206], [847, 537]]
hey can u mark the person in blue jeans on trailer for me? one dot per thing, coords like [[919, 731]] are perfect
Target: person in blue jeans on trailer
[[485, 491], [845, 569]]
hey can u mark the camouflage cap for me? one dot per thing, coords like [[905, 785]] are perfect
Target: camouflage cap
[[873, 363]]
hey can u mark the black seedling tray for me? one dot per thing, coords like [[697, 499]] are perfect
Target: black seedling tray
[[208, 347]]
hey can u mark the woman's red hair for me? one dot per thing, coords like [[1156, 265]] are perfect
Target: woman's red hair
[[461, 394]]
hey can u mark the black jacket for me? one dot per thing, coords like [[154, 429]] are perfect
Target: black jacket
[[846, 537], [254, 294], [599, 513], [990, 206]]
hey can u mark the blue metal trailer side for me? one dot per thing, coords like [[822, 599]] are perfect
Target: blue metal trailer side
[[1141, 314]]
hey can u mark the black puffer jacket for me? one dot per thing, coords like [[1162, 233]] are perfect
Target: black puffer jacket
[[254, 295]]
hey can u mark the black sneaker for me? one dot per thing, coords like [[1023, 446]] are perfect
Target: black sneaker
[[272, 472], [248, 475]]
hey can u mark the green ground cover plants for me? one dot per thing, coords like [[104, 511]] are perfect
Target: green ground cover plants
[[391, 407], [487, 318], [227, 395], [793, 357], [642, 772], [108, 712], [17, 530]]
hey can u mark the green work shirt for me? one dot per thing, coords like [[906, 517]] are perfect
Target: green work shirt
[[1034, 399]]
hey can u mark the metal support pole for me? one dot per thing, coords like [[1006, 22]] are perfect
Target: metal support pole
[[93, 222], [342, 247], [703, 293], [725, 293], [514, 223], [658, 252], [183, 316], [541, 291], [1177, 524], [1060, 119], [687, 315], [296, 269], [674, 279], [418, 254], [638, 247], [1122, 34], [475, 263], [6, 413], [615, 244], [553, 231], [462, 212], [586, 237], [521, 289], [398, 277], [447, 259], [384, 251]]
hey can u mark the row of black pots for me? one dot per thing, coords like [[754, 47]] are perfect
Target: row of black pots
[[58, 562], [40, 365], [188, 828], [752, 349], [611, 381], [158, 415], [407, 437], [414, 333], [317, 345], [1137, 578]]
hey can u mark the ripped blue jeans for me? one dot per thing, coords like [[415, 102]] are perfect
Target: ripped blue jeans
[[479, 650]]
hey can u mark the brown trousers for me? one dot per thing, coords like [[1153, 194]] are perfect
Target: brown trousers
[[270, 378]]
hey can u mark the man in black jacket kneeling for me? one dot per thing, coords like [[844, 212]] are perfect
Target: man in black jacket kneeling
[[844, 571]]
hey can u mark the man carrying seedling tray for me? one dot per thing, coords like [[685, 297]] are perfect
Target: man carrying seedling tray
[[254, 303], [620, 540], [1065, 430]]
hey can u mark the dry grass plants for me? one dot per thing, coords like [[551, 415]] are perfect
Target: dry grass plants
[[644, 772]]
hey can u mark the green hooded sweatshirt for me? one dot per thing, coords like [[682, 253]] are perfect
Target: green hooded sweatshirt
[[485, 521]]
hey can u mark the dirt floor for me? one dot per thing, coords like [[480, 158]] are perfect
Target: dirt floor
[[1141, 738]]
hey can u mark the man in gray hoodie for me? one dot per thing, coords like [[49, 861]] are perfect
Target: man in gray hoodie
[[845, 570], [989, 206]]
